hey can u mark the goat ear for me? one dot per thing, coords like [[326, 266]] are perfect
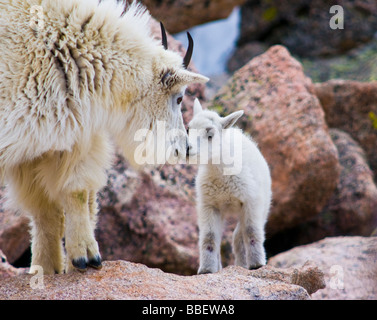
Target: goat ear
[[197, 107], [185, 77], [231, 119], [181, 78]]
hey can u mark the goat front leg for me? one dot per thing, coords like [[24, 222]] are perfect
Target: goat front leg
[[94, 261], [82, 248], [210, 231]]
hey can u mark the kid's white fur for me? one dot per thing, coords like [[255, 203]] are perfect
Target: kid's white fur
[[73, 75], [246, 193]]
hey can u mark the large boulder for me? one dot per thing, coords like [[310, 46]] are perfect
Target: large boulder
[[352, 107], [127, 280], [303, 27], [351, 210], [359, 64], [179, 15], [285, 118], [349, 265]]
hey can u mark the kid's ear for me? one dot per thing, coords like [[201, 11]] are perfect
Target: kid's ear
[[197, 107], [231, 119]]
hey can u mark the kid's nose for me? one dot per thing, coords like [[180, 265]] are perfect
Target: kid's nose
[[189, 147]]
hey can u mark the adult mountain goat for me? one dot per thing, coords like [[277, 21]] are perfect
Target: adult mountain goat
[[73, 75]]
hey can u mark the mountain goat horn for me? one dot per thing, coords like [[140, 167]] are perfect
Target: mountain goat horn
[[187, 58], [163, 35]]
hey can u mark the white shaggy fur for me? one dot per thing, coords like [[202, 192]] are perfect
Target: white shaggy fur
[[246, 193], [74, 74]]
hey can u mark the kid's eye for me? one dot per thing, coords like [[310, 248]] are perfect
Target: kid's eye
[[210, 133], [179, 100]]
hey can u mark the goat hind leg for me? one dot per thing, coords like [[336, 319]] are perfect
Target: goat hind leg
[[253, 238], [47, 234], [47, 219], [239, 247]]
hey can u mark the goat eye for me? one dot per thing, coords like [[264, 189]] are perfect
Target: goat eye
[[165, 78], [210, 133], [179, 100]]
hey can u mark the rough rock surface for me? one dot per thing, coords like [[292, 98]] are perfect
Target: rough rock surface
[[352, 107], [359, 64], [179, 15], [352, 209], [285, 118], [126, 280], [14, 231], [7, 270], [243, 54], [349, 265]]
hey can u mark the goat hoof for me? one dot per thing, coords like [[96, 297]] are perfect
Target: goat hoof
[[204, 271], [80, 264], [255, 267], [95, 262]]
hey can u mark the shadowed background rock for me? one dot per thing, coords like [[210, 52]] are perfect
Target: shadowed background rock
[[179, 15]]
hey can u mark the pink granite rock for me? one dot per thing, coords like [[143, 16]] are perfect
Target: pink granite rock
[[7, 270], [349, 265], [352, 107], [127, 280], [179, 15]]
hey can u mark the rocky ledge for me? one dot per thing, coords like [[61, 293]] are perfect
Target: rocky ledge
[[128, 280]]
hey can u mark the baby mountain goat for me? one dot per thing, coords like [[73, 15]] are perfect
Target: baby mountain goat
[[242, 187], [74, 74]]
